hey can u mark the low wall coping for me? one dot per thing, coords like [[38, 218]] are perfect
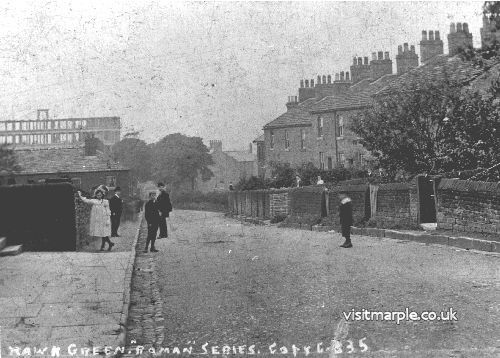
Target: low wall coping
[[469, 186]]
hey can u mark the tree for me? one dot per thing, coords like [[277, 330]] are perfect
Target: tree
[[134, 154], [283, 175], [178, 159], [432, 126], [8, 162]]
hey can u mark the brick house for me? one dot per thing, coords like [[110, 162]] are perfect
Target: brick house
[[316, 126], [85, 167], [229, 167]]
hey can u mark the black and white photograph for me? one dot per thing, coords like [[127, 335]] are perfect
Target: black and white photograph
[[249, 178]]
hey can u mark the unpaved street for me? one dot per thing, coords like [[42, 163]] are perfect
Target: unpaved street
[[227, 283]]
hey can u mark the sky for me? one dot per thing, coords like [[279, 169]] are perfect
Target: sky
[[217, 70]]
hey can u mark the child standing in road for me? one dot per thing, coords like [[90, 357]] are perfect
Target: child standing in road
[[153, 219], [345, 213], [100, 223]]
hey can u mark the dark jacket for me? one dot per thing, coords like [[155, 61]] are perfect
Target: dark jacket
[[116, 205], [163, 203], [345, 212], [151, 212]]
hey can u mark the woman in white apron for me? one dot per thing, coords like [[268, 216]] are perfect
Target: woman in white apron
[[100, 217]]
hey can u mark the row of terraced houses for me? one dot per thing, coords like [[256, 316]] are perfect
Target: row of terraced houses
[[315, 127]]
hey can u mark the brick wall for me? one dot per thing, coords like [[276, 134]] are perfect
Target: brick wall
[[468, 206], [360, 197], [397, 203], [279, 203]]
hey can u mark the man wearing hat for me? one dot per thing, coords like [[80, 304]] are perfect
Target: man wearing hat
[[116, 208]]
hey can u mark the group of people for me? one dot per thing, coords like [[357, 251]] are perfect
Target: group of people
[[156, 212], [105, 215]]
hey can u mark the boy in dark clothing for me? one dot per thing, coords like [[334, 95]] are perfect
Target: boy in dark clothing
[[345, 213], [164, 207], [153, 219], [116, 207]]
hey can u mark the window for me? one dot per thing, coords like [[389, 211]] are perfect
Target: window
[[24, 126], [110, 181], [77, 137], [62, 125], [2, 139], [24, 139], [341, 159], [9, 126], [49, 139], [2, 126], [16, 139], [56, 125], [49, 125], [330, 163], [361, 159], [10, 139], [287, 141], [320, 126], [78, 124], [341, 127], [271, 144], [16, 126], [63, 137], [302, 139], [70, 124], [84, 123], [32, 125], [321, 160]]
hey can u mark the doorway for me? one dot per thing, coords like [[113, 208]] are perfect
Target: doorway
[[426, 199]]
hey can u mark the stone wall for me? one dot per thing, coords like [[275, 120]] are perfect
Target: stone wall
[[308, 201], [468, 206], [360, 197], [397, 203], [82, 220]]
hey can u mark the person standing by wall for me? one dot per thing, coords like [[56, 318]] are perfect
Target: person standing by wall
[[116, 207], [164, 207], [152, 217], [345, 213], [320, 181], [100, 224]]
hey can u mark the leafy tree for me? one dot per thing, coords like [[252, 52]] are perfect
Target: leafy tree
[[134, 154], [178, 159], [252, 183], [283, 175], [8, 163], [432, 126]]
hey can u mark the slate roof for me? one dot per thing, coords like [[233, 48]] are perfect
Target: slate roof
[[435, 70], [241, 156], [298, 116], [62, 160]]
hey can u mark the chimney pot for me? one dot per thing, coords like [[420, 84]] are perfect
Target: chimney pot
[[342, 75], [405, 46], [312, 83], [436, 35], [337, 77], [431, 35], [412, 49], [329, 79], [324, 79], [360, 61], [466, 27], [307, 83], [347, 76], [459, 27], [387, 55], [319, 80], [380, 55], [366, 60], [452, 28], [424, 35], [355, 61], [374, 56], [301, 83], [400, 50]]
